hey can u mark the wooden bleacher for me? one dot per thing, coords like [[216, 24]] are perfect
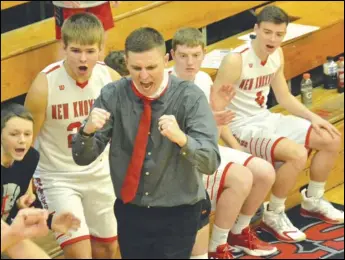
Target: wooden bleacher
[[23, 46], [31, 48]]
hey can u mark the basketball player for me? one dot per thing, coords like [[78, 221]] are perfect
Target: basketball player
[[60, 98], [242, 181], [282, 140]]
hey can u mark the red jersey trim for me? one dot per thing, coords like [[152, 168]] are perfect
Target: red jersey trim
[[52, 69]]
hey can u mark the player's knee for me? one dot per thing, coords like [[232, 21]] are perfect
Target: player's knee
[[333, 144], [263, 172], [240, 179], [299, 156], [104, 250]]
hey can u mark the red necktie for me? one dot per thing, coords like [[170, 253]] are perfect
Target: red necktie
[[131, 182]]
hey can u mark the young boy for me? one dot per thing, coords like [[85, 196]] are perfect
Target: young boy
[[60, 98], [18, 163]]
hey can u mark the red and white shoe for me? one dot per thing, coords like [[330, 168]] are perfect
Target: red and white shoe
[[222, 252], [278, 224], [248, 242], [321, 209]]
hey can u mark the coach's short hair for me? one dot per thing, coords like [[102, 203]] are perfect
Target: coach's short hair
[[144, 39]]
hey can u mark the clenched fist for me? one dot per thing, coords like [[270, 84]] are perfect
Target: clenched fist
[[97, 119], [168, 127]]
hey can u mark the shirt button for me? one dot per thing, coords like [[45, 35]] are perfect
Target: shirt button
[[184, 153], [146, 193], [148, 207], [149, 153], [147, 173], [149, 133], [82, 143], [76, 154]]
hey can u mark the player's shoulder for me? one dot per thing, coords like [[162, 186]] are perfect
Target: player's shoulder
[[53, 67], [233, 59]]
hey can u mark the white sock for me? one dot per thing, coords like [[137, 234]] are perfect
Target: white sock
[[204, 256], [316, 189], [275, 203], [219, 237], [241, 223]]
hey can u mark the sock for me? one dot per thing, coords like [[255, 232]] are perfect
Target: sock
[[241, 223], [275, 203], [204, 256], [219, 237], [315, 189]]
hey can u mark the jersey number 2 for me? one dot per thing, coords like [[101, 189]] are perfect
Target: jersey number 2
[[260, 99], [71, 127]]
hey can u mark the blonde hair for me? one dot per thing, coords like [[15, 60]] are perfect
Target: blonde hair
[[191, 37], [84, 29]]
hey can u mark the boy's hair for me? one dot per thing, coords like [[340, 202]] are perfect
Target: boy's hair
[[116, 61], [84, 29], [191, 37], [144, 39], [9, 111], [272, 14]]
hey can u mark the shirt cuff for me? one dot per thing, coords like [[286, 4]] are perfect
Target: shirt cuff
[[188, 150], [83, 142]]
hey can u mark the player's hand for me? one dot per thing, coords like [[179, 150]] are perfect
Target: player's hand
[[29, 223], [319, 123], [221, 98], [223, 117], [168, 127], [96, 120], [26, 200], [65, 222]]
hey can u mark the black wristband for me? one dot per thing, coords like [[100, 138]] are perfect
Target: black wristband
[[81, 131], [50, 220]]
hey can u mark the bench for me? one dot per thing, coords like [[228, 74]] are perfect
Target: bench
[[166, 18]]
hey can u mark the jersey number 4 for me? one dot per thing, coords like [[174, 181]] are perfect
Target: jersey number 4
[[71, 127], [260, 99]]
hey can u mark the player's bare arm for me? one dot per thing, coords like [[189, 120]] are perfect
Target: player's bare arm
[[228, 73], [36, 102], [292, 105], [229, 139]]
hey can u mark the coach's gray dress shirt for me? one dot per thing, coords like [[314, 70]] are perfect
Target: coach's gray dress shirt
[[170, 175]]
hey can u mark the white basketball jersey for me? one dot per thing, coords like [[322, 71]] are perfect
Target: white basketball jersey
[[253, 86], [202, 80], [69, 104]]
